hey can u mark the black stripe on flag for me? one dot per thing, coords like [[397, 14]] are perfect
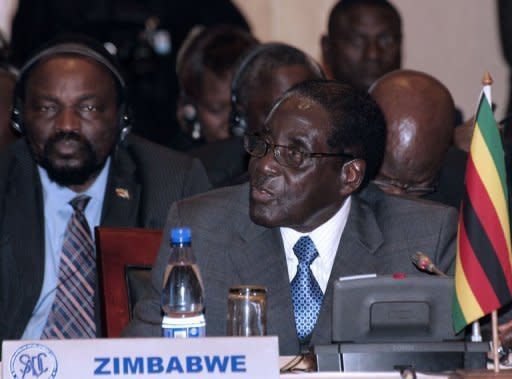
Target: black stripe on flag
[[484, 251]]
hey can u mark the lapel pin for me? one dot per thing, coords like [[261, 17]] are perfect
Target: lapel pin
[[123, 193]]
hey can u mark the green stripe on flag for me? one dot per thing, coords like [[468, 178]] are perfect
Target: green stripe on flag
[[490, 133], [459, 322]]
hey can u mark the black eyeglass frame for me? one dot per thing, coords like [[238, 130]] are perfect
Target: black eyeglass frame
[[278, 156]]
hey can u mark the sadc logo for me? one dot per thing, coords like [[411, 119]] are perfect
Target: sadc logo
[[33, 361]]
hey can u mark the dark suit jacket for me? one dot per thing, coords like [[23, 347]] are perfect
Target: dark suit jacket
[[154, 177], [223, 160], [381, 233], [450, 183]]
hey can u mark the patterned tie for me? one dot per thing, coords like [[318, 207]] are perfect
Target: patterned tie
[[72, 313], [306, 293]]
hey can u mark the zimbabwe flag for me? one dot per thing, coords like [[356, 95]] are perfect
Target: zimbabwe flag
[[483, 270]]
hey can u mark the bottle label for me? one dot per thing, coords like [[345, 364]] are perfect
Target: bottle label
[[184, 327]]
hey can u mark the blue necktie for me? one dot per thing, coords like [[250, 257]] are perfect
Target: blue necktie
[[72, 314], [306, 293]]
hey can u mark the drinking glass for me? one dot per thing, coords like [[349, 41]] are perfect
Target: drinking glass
[[247, 311]]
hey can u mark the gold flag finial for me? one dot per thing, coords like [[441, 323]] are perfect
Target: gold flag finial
[[487, 79]]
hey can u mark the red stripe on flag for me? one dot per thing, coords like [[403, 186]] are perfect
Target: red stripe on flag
[[484, 209], [476, 277]]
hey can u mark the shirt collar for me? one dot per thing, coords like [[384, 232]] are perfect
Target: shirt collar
[[54, 193], [326, 237]]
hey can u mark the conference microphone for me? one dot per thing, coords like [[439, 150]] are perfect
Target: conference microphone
[[423, 262]]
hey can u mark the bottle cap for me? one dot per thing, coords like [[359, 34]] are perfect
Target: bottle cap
[[180, 235]]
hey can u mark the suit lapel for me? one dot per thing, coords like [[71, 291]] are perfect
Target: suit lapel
[[24, 210], [258, 257], [263, 262], [122, 195], [359, 241]]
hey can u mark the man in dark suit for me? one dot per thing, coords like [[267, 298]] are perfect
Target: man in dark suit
[[71, 106], [320, 144]]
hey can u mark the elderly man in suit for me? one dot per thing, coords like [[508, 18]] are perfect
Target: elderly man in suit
[[301, 223], [74, 169]]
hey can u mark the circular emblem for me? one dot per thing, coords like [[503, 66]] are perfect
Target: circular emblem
[[33, 361]]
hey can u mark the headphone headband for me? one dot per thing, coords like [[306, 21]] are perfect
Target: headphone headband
[[238, 122], [73, 48], [260, 49], [9, 70]]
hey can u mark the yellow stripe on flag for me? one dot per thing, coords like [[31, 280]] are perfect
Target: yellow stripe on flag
[[467, 301], [488, 174]]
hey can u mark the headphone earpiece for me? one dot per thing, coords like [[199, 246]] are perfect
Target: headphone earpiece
[[191, 121], [125, 122], [237, 121], [16, 119]]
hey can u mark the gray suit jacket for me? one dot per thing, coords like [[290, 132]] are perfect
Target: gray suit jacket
[[153, 176], [381, 233]]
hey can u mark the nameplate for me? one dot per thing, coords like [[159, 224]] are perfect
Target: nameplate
[[211, 357]]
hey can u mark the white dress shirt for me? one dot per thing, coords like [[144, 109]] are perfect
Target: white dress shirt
[[326, 239]]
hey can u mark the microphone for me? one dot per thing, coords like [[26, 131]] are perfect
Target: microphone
[[423, 262]]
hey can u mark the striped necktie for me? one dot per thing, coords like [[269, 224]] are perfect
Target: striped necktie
[[306, 293], [72, 313]]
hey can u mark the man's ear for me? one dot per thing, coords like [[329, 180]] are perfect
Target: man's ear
[[352, 175]]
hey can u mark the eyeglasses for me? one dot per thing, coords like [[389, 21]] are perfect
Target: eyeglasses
[[405, 188], [286, 156]]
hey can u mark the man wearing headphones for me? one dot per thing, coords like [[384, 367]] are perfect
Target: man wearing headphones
[[74, 169], [205, 66], [263, 75]]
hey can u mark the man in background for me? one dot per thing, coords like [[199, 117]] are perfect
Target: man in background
[[205, 67], [420, 159], [263, 75], [363, 41]]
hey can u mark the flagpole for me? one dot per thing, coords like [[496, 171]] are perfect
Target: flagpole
[[495, 341], [487, 82]]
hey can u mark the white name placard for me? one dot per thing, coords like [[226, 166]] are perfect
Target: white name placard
[[211, 357]]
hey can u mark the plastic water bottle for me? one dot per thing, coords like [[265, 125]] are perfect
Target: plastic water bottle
[[182, 295]]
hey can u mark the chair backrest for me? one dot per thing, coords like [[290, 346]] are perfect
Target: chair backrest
[[124, 259]]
